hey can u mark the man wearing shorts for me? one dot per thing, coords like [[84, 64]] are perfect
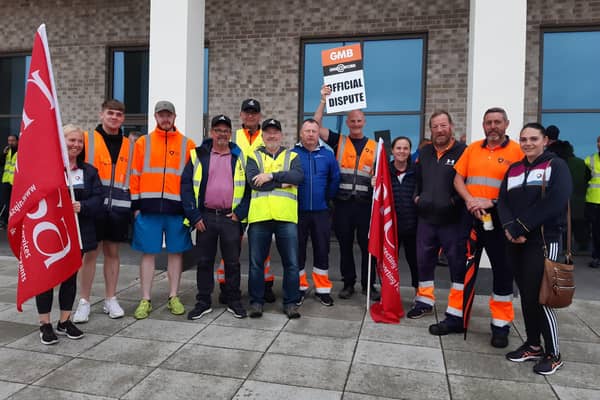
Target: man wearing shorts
[[111, 154], [158, 162]]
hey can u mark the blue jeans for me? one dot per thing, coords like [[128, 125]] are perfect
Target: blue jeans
[[259, 242]]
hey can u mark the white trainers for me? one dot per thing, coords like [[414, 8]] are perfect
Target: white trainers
[[112, 308], [83, 312]]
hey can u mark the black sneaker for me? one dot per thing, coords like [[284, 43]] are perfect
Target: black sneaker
[[301, 298], [291, 310], [346, 292], [548, 365], [595, 263], [237, 310], [419, 310], [325, 299], [525, 353], [255, 310], [499, 339], [47, 335], [199, 310], [69, 329], [269, 296], [375, 295], [449, 325]]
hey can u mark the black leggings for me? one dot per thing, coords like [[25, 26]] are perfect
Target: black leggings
[[66, 296], [528, 261]]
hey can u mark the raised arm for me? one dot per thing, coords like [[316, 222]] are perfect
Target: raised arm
[[318, 116]]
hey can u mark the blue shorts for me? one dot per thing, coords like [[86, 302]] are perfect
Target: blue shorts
[[148, 232]]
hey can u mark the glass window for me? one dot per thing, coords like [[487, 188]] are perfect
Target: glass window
[[13, 77], [393, 70], [130, 69], [570, 87]]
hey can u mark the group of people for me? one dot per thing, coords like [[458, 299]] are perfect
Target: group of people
[[487, 193]]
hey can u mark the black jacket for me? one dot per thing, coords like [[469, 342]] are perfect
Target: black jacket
[[90, 196], [404, 204], [439, 203], [521, 208]]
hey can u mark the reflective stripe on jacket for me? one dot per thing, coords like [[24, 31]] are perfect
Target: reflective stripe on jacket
[[115, 178], [239, 137], [592, 195], [158, 162], [355, 173]]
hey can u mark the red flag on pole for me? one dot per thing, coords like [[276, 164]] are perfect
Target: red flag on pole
[[383, 244], [42, 230]]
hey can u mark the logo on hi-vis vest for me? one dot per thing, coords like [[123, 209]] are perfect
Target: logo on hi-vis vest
[[450, 162]]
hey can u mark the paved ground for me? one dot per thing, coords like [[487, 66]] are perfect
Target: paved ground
[[329, 353]]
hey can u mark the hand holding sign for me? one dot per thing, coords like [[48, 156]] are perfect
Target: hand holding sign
[[343, 74]]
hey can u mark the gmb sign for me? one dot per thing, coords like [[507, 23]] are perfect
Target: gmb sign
[[343, 72]]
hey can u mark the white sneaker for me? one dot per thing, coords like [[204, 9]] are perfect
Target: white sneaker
[[112, 308], [83, 312]]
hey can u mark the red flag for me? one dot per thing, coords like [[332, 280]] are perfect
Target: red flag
[[42, 230], [383, 244]]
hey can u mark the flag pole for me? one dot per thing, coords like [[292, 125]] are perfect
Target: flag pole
[[61, 138], [379, 144]]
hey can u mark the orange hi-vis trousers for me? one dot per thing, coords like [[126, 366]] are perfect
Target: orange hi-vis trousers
[[320, 278], [269, 277], [425, 294]]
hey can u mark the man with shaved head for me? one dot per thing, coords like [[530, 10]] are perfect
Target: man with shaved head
[[356, 157]]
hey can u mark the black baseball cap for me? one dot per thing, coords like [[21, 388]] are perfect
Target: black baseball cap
[[251, 105], [271, 123], [220, 119]]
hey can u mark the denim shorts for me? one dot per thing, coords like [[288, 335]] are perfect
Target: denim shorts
[[148, 231]]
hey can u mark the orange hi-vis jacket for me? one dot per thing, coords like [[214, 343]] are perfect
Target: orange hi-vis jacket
[[158, 162], [115, 178], [484, 168], [355, 172]]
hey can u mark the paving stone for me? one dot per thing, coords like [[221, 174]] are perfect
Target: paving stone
[[168, 331], [235, 338], [132, 351], [577, 375], [8, 388], [12, 331], [400, 356], [467, 388], [404, 333], [358, 396], [570, 327], [254, 390], [571, 393], [103, 325], [340, 310], [489, 366], [8, 295], [580, 351], [269, 321], [29, 316], [5, 306], [301, 371], [213, 360], [97, 308], [27, 366], [161, 312], [178, 385], [37, 392], [313, 346], [324, 327], [110, 379], [397, 383], [478, 343], [64, 347]]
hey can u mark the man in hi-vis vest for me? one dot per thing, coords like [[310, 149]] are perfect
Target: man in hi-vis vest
[[249, 138], [592, 203], [352, 213], [216, 197], [274, 174]]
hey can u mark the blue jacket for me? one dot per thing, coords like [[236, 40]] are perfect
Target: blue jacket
[[406, 209], [321, 178], [188, 199]]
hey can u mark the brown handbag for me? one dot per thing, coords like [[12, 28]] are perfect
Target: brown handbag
[[558, 283]]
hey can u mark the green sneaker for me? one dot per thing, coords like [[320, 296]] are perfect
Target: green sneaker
[[143, 309], [175, 306]]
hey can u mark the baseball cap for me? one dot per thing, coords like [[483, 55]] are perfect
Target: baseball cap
[[164, 105], [251, 105], [220, 119], [271, 123]]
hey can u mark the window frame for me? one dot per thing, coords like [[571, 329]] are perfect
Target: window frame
[[13, 54], [302, 115]]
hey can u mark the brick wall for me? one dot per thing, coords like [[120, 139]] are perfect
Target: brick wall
[[254, 50]]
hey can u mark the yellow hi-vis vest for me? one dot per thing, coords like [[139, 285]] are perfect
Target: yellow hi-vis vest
[[239, 138], [278, 204], [239, 180], [593, 191], [9, 167]]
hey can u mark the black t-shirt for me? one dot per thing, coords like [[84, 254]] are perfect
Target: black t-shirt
[[359, 144], [113, 143]]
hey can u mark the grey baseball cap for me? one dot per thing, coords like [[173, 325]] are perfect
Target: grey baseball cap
[[164, 105]]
